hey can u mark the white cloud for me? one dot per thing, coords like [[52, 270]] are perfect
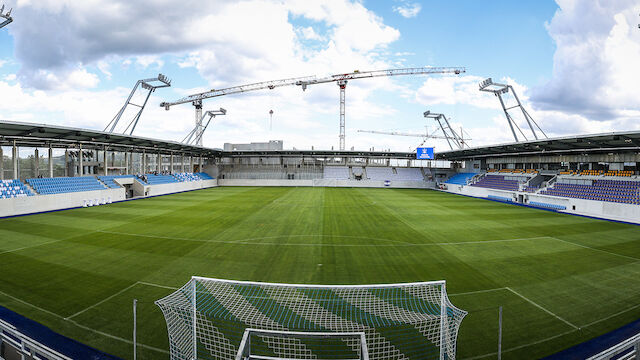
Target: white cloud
[[595, 71], [149, 60], [308, 33], [452, 90], [408, 10]]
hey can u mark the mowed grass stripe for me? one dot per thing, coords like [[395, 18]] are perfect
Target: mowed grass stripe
[[161, 242]]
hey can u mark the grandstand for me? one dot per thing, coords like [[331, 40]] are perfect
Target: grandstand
[[320, 217]]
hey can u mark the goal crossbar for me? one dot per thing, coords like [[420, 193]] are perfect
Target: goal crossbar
[[244, 350], [208, 318]]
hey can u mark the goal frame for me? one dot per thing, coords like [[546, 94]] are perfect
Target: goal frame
[[191, 292], [244, 350]]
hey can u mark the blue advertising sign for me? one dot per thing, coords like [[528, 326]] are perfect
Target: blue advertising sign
[[424, 153]]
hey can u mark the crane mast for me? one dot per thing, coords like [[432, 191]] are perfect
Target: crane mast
[[340, 79]]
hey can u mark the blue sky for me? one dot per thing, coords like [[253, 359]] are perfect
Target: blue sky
[[573, 63]]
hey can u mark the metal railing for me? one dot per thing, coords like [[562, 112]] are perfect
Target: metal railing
[[630, 349], [24, 346]]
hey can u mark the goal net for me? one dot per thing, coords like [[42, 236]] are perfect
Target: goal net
[[207, 319]]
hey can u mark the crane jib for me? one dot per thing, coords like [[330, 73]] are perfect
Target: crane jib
[[309, 80]]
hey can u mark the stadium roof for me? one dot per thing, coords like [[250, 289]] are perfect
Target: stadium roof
[[322, 153], [41, 135], [582, 144]]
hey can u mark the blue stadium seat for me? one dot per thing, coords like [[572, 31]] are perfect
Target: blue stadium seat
[[48, 186]]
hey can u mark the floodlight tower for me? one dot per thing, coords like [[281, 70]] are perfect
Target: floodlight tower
[[146, 84], [498, 90], [6, 16], [195, 136], [447, 130]]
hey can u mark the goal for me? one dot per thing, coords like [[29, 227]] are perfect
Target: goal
[[214, 319]]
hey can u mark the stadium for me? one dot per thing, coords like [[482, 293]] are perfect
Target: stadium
[[121, 246]]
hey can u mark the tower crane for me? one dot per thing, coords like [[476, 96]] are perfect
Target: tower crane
[[425, 136], [448, 133], [340, 79]]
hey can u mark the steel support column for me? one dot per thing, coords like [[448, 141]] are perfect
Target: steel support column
[[80, 161], [50, 161], [14, 158]]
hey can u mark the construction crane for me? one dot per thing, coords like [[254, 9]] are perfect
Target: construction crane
[[426, 136], [6, 16], [498, 90], [195, 136], [146, 84], [304, 82], [342, 79]]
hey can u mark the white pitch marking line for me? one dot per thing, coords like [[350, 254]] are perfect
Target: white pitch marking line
[[102, 301], [158, 285], [29, 247], [246, 241], [611, 316], [595, 249], [521, 346], [542, 308], [478, 291], [82, 326]]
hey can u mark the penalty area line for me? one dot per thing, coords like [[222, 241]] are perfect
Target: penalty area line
[[114, 337], [101, 302], [542, 308]]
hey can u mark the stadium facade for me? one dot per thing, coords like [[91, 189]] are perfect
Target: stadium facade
[[48, 168], [594, 175]]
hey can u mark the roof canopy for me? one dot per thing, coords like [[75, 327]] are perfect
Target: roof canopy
[[583, 144]]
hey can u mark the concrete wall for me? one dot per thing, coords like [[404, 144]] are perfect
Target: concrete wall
[[599, 209], [326, 183], [163, 189], [41, 203]]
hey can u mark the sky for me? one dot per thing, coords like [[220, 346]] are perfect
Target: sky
[[573, 63]]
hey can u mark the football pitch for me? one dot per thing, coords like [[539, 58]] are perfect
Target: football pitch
[[560, 279]]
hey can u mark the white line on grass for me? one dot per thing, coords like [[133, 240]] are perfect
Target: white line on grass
[[158, 285], [102, 301], [521, 346], [247, 241], [149, 347], [477, 292], [595, 249], [30, 247], [542, 308], [611, 316]]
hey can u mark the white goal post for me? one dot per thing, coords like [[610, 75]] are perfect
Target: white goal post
[[356, 340], [209, 319]]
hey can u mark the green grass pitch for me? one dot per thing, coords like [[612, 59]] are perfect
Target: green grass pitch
[[561, 279]]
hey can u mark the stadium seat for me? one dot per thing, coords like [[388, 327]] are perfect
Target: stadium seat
[[48, 186]]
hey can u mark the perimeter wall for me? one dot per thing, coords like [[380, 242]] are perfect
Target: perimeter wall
[[600, 209]]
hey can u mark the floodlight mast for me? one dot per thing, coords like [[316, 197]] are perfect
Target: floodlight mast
[[195, 136], [6, 16], [447, 130], [426, 136], [147, 84], [498, 90], [340, 79]]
